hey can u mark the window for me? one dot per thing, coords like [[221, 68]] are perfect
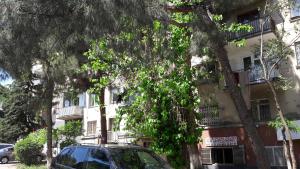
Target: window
[[223, 155], [4, 146], [116, 96], [247, 63], [248, 17], [261, 110], [67, 103], [94, 100], [97, 160], [209, 115], [136, 159], [91, 127], [78, 157], [71, 101], [111, 124], [64, 158], [276, 156], [297, 53], [149, 160], [295, 10]]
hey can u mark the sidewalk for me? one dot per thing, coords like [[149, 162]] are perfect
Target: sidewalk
[[8, 166]]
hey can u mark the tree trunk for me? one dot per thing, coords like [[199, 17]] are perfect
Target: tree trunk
[[241, 107], [49, 97], [194, 156], [192, 149], [217, 44], [286, 150], [103, 117]]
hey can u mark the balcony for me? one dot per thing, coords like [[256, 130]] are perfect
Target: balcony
[[69, 113], [269, 26], [254, 75], [209, 116], [119, 136]]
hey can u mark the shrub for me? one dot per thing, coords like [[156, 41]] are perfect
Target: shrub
[[28, 149], [66, 143], [68, 133]]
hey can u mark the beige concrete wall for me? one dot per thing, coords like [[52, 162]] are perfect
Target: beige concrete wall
[[289, 99]]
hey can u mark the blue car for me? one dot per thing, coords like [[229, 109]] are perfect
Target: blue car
[[108, 157]]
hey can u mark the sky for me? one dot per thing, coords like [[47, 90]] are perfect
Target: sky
[[6, 81]]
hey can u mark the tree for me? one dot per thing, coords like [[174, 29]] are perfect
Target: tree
[[50, 30], [45, 33], [211, 32], [22, 111]]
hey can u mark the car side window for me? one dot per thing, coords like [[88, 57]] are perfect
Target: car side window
[[78, 158], [64, 158], [3, 146], [97, 160], [149, 160]]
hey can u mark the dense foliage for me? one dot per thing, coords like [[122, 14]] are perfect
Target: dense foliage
[[159, 76], [21, 111], [67, 134], [29, 150]]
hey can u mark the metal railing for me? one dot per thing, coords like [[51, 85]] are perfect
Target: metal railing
[[256, 74], [255, 24], [209, 115], [69, 112]]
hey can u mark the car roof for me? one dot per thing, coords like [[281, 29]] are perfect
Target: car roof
[[109, 146], [6, 144]]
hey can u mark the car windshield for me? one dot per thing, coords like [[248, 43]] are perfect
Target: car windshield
[[2, 146], [137, 159]]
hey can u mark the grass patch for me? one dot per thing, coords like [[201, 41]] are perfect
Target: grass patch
[[22, 166]]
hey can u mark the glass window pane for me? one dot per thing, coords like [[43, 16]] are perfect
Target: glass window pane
[[228, 156], [78, 157], [97, 160], [295, 11], [148, 160], [65, 158]]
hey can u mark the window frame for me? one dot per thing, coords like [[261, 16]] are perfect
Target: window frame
[[93, 129], [115, 92], [223, 155], [273, 156], [295, 9], [258, 111], [93, 100]]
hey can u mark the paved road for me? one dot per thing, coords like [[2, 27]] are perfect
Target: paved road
[[8, 166]]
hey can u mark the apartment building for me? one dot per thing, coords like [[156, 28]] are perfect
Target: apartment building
[[224, 141], [85, 107]]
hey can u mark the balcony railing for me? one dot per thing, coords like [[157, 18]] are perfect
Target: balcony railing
[[268, 27], [119, 136], [209, 115], [254, 75], [68, 113]]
